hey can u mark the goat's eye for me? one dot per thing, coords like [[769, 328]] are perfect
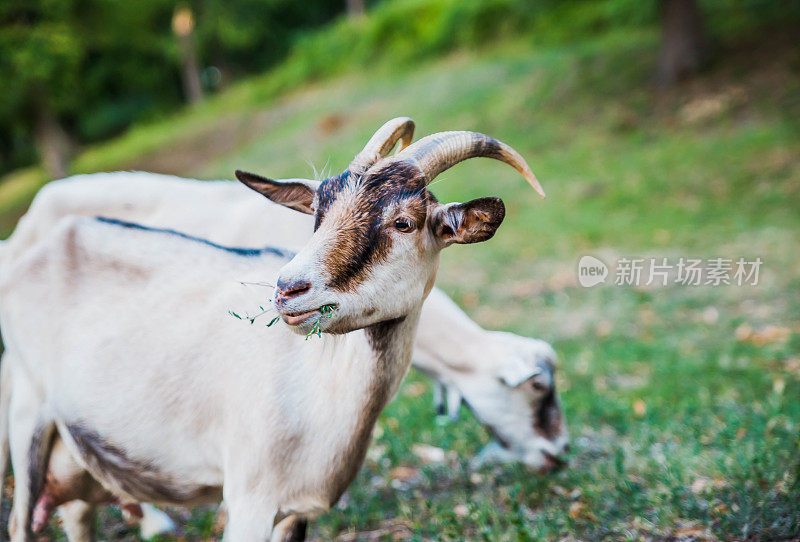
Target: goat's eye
[[403, 225], [539, 386]]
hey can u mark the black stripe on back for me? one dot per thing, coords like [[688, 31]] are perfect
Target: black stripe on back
[[281, 252]]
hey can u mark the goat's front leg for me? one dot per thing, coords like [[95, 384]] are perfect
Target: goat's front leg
[[77, 519], [155, 522], [251, 518]]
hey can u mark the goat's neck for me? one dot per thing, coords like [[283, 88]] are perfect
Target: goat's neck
[[369, 366]]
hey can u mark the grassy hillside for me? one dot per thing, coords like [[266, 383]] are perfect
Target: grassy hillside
[[682, 401], [684, 424]]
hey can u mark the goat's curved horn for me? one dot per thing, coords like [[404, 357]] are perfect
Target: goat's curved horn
[[436, 153], [399, 129]]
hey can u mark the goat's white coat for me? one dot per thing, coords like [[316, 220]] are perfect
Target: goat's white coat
[[226, 213], [485, 367], [226, 415]]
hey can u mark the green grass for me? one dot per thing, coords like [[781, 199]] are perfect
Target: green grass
[[678, 427]]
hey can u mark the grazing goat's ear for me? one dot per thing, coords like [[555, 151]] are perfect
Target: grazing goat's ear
[[470, 222], [515, 372], [297, 194]]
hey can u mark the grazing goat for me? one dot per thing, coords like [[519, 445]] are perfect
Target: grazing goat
[[161, 398]]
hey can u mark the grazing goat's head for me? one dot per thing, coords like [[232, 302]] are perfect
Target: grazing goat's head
[[521, 408], [378, 230]]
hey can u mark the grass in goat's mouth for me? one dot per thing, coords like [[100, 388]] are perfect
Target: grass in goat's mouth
[[325, 311], [252, 319]]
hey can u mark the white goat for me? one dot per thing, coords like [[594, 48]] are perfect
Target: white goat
[[273, 424], [507, 380]]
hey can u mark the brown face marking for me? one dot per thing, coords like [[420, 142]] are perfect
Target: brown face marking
[[547, 421], [362, 240]]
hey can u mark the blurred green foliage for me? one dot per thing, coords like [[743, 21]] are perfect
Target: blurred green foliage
[[99, 65], [400, 32]]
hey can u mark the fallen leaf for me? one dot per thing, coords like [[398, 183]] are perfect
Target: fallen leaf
[[403, 473], [576, 509], [768, 335], [560, 491], [391, 529], [330, 123], [469, 300], [711, 106], [647, 317], [690, 531], [793, 366], [376, 452], [415, 389], [743, 332], [710, 315], [428, 454], [603, 328], [526, 288], [699, 485], [461, 510], [564, 277]]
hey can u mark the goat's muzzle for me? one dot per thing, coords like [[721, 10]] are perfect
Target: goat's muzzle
[[290, 289]]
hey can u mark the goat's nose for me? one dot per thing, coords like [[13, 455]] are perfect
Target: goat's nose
[[292, 288], [553, 462]]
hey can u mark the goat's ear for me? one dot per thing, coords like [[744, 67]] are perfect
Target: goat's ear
[[297, 194], [470, 222]]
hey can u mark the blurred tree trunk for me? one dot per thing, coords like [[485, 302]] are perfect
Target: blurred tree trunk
[[684, 46], [52, 141], [355, 8], [191, 71], [183, 27]]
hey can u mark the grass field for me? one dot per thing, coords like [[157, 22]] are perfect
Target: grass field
[[683, 402]]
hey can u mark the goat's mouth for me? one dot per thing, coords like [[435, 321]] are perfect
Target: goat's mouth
[[297, 318], [301, 317], [552, 462]]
